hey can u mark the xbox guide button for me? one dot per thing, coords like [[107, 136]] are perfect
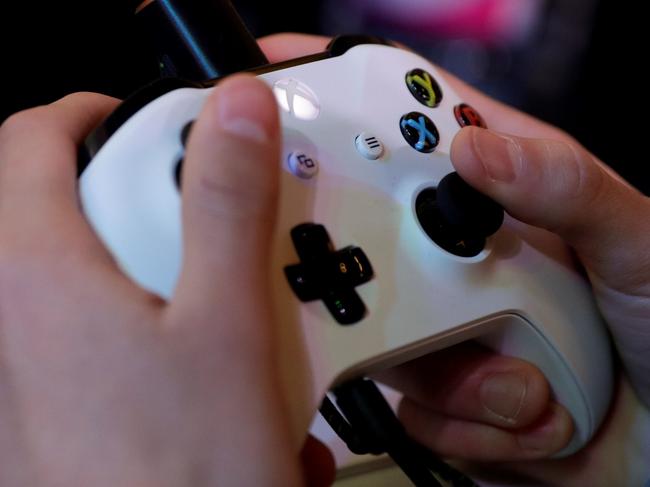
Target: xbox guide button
[[296, 98]]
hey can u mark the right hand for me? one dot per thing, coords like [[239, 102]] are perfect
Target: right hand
[[543, 177]]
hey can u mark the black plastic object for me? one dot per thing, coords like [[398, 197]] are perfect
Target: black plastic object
[[342, 44], [366, 422], [468, 211], [457, 217], [440, 231], [198, 40], [328, 275]]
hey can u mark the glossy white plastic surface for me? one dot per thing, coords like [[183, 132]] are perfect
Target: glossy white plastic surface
[[522, 296]]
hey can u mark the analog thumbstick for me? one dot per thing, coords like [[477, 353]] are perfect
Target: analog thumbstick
[[466, 210]]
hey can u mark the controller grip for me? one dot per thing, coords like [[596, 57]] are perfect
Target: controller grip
[[572, 385]]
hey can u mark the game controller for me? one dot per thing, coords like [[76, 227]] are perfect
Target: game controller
[[381, 253]]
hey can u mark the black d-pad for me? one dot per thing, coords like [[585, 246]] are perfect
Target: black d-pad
[[327, 274]]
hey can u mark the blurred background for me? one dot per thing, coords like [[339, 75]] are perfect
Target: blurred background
[[565, 61]]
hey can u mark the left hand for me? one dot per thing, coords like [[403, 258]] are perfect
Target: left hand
[[103, 383]]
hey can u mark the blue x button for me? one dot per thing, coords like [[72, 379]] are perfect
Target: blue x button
[[420, 132]]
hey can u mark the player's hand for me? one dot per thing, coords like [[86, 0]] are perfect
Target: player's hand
[[103, 383]]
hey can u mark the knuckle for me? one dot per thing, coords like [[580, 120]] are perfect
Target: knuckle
[[87, 98], [232, 192], [18, 134], [222, 199], [573, 181], [589, 178], [21, 122], [548, 437], [80, 96]]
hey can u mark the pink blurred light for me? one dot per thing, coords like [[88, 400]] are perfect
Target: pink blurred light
[[483, 20]]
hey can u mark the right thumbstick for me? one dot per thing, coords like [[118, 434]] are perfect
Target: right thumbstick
[[467, 210]]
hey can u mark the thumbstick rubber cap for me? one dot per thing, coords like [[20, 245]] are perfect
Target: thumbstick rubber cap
[[466, 209]]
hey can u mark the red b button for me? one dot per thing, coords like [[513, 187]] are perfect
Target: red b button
[[467, 116]]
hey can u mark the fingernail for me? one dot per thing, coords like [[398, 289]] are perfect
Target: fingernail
[[497, 153], [502, 394], [554, 434], [241, 112]]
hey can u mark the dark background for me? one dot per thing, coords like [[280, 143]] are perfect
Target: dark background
[[574, 70]]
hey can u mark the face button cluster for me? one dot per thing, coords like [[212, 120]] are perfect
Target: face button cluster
[[327, 274], [417, 128]]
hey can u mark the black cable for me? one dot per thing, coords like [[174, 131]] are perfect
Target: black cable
[[367, 424], [198, 40], [344, 430]]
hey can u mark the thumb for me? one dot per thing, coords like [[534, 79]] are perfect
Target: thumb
[[230, 185], [561, 187], [229, 197]]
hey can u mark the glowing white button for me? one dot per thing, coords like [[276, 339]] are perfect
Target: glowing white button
[[297, 99]]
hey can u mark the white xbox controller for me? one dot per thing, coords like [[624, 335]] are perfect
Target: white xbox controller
[[381, 253]]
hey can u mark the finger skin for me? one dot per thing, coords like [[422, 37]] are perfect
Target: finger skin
[[471, 383], [454, 438], [38, 149], [229, 198], [222, 302], [318, 463], [230, 186], [559, 186], [281, 47], [617, 455], [39, 206]]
